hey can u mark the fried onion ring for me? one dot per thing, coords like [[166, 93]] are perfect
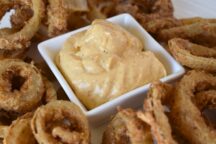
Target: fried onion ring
[[192, 55], [186, 114], [60, 122], [21, 86], [154, 115], [127, 128], [201, 33], [21, 39], [20, 132]]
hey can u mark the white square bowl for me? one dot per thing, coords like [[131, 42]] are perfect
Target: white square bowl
[[49, 49]]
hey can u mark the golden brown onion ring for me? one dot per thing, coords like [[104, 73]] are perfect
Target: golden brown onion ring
[[185, 113], [21, 39], [192, 55], [201, 33], [60, 122], [127, 128], [21, 86], [154, 115], [156, 25], [20, 132]]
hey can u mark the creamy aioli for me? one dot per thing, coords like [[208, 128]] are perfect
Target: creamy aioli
[[105, 62]]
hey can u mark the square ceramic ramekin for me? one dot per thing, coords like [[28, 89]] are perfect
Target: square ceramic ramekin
[[49, 49]]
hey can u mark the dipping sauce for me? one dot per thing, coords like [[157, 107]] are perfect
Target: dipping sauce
[[105, 62]]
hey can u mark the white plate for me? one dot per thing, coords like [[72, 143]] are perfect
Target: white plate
[[50, 48]]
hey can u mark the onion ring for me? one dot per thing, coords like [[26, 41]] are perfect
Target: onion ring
[[154, 26], [185, 113], [20, 132], [154, 113], [127, 128], [201, 33], [60, 122], [192, 55], [21, 86], [21, 39]]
